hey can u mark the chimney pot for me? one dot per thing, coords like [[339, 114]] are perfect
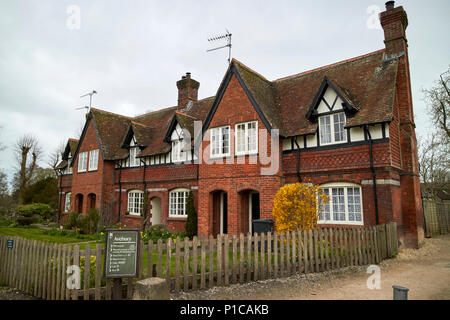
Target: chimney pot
[[390, 5], [187, 90]]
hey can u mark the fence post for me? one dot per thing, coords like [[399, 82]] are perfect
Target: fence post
[[226, 255], [98, 270], [177, 264], [269, 254], [234, 259], [186, 264], [241, 260], [203, 266], [255, 255]]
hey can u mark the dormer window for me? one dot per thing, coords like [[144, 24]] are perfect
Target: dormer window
[[134, 151], [331, 129], [134, 161], [178, 153]]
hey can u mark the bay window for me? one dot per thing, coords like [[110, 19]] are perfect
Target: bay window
[[344, 204]]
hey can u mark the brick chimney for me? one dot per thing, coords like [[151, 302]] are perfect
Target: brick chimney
[[187, 90], [394, 22]]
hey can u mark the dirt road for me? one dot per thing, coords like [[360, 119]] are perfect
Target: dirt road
[[426, 272]]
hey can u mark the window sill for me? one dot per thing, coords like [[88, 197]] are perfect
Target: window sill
[[342, 223], [222, 156], [332, 143], [178, 218], [132, 216], [237, 155]]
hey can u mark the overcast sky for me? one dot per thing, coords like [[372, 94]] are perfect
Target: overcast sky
[[133, 52]]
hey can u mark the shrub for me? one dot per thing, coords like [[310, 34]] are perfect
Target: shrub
[[160, 232], [26, 221], [42, 210], [296, 207], [73, 221], [191, 223], [87, 224]]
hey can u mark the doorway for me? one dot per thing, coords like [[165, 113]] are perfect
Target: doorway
[[155, 211], [220, 213]]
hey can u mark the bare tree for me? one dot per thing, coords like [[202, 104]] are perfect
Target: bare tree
[[56, 156], [433, 164], [28, 153], [438, 101]]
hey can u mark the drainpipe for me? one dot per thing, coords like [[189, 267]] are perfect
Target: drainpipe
[[60, 191], [120, 191], [145, 192], [298, 160], [374, 177]]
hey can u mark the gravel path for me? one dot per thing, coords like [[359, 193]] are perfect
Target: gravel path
[[13, 294], [426, 272]]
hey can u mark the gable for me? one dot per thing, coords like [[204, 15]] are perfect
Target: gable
[[177, 133], [88, 141], [329, 102], [234, 74]]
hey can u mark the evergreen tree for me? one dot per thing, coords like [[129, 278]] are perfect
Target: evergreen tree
[[191, 223]]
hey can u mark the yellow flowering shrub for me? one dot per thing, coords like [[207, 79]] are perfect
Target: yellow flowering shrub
[[296, 207]]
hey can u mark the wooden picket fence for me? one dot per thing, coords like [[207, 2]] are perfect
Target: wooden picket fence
[[436, 217], [40, 269]]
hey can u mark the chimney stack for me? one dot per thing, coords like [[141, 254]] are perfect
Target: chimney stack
[[394, 22], [187, 90]]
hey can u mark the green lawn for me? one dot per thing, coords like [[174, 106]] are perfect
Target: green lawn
[[32, 233]]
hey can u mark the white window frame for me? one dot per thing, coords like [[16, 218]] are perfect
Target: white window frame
[[82, 161], [132, 159], [345, 186], [213, 133], [246, 137], [67, 201], [177, 203], [332, 131], [135, 202], [93, 160], [177, 154]]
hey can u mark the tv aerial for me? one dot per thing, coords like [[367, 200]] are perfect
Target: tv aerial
[[85, 107], [90, 94], [227, 37]]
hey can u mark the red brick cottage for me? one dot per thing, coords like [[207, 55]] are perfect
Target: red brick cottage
[[348, 127]]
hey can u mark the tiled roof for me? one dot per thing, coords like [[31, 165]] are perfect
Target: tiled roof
[[367, 82]]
